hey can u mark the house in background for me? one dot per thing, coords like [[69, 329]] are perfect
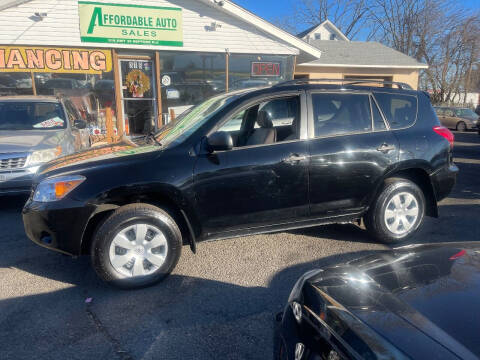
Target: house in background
[[344, 59], [325, 31]]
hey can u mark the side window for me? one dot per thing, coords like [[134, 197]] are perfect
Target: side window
[[337, 114], [439, 111], [234, 124], [267, 122], [400, 110], [449, 112], [282, 112], [378, 122]]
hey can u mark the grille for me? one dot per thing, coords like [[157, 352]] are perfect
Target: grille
[[13, 163]]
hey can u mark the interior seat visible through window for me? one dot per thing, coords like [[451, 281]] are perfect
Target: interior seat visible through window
[[266, 133], [267, 122]]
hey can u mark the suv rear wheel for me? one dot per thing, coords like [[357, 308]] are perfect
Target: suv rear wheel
[[397, 212], [137, 246]]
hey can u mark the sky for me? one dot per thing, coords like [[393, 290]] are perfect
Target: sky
[[272, 9]]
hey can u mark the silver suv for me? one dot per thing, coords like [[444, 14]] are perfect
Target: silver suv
[[35, 130]]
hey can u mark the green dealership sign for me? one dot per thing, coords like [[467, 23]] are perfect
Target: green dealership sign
[[130, 24]]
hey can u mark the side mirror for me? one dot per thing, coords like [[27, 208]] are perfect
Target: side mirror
[[79, 124], [220, 141]]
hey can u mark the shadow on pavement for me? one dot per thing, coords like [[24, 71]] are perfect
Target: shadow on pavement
[[181, 318]]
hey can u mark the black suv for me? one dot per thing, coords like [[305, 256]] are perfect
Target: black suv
[[294, 155]]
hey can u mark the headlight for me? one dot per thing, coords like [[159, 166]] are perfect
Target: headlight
[[43, 156], [56, 188]]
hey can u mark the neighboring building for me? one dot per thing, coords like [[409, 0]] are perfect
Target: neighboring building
[[354, 59], [147, 60], [325, 31]]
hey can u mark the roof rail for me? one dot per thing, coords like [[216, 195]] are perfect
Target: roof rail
[[400, 85]]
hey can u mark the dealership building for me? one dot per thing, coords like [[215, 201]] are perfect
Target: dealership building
[[138, 64]]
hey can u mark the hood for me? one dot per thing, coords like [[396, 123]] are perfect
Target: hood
[[108, 154], [428, 292], [18, 141]]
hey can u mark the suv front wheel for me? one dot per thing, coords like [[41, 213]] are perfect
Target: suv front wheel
[[137, 246], [397, 212]]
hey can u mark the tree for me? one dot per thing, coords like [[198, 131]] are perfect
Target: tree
[[441, 33], [349, 16]]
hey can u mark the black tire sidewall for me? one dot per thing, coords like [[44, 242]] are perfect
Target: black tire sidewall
[[122, 219], [381, 231]]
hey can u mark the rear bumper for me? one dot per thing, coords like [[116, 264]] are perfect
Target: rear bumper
[[58, 225], [443, 181]]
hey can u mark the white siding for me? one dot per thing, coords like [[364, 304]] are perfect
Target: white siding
[[325, 31], [61, 28]]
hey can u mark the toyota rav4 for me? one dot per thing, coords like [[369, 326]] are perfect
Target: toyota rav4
[[294, 155]]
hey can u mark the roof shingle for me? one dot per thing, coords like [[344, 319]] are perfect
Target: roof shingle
[[361, 53]]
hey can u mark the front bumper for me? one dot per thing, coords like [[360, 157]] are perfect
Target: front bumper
[[444, 180], [57, 225], [289, 333], [16, 181]]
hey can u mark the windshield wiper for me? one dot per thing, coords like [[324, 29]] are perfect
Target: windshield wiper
[[152, 136]]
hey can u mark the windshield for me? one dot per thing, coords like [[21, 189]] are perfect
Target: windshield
[[31, 116], [465, 113], [190, 120]]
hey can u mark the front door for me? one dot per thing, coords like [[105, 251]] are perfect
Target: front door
[[263, 180], [350, 152], [138, 96]]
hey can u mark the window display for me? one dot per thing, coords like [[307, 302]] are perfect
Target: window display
[[85, 76]]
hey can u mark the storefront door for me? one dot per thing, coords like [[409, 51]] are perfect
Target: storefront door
[[138, 96]]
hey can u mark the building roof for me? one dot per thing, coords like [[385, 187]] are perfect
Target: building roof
[[326, 23], [361, 54], [307, 31]]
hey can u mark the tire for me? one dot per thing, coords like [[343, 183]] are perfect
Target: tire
[[142, 237], [461, 126], [381, 218]]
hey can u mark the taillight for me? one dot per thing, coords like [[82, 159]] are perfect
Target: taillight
[[458, 255], [444, 132]]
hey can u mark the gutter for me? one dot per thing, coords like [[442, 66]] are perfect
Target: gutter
[[419, 66]]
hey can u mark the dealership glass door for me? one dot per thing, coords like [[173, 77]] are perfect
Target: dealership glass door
[[138, 96]]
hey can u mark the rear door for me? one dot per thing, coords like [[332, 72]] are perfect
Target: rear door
[[351, 147], [450, 119]]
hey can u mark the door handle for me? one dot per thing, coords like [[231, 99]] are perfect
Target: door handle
[[385, 148], [294, 158]]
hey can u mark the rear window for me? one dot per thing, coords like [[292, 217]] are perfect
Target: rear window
[[31, 116], [400, 110]]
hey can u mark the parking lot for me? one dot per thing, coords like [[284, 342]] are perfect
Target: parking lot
[[219, 303]]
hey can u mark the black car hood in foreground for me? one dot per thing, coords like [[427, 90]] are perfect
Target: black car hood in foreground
[[103, 154], [419, 298]]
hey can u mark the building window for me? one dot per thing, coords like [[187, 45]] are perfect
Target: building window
[[83, 76], [333, 37], [188, 79], [318, 36], [247, 71]]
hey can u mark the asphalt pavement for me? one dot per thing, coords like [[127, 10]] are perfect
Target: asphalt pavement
[[217, 304]]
